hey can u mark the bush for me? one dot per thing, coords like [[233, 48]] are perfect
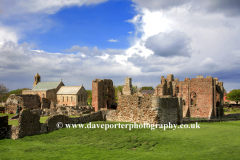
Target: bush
[[225, 109]]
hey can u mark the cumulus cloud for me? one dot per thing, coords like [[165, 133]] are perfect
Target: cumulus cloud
[[171, 44], [208, 63], [113, 40], [73, 68], [87, 51], [227, 7], [7, 34], [42, 6]]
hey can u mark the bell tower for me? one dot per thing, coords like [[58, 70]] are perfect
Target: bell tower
[[37, 78]]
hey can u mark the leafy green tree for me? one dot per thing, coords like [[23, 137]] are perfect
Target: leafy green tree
[[7, 94], [117, 88], [146, 88], [234, 95], [3, 91], [134, 89], [89, 99]]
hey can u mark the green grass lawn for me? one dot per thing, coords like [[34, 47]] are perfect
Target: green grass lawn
[[220, 140]]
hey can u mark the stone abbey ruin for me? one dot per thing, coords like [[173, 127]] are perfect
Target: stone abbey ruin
[[173, 100]]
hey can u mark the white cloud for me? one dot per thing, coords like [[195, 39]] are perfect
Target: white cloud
[[7, 34], [113, 40], [175, 43], [42, 6], [74, 69], [208, 63], [130, 32]]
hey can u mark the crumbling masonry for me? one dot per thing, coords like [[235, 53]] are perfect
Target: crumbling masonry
[[201, 97], [103, 94], [142, 108]]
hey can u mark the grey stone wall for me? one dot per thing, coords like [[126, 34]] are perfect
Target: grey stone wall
[[3, 126]]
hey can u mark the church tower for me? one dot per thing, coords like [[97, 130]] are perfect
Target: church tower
[[37, 78]]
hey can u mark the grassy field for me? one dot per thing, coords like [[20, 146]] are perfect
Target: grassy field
[[219, 140]]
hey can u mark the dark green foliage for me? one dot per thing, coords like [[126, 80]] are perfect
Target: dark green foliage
[[146, 88], [234, 95], [6, 95], [89, 99]]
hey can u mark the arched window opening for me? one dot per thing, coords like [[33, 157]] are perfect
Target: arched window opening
[[193, 99]]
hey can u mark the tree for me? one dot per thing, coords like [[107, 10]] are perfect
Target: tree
[[3, 91], [234, 95], [7, 94], [89, 99], [146, 88]]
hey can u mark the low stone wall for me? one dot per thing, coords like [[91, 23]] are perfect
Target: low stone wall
[[211, 120], [29, 124], [3, 126], [232, 115], [2, 109]]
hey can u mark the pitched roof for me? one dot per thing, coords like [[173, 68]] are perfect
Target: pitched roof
[[46, 85], [69, 89], [37, 75]]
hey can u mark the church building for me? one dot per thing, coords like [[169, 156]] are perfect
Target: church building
[[58, 93]]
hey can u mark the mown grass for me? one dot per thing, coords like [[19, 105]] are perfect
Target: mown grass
[[231, 110], [212, 141]]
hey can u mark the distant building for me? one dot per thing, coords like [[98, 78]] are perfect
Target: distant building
[[46, 90], [58, 93], [72, 96]]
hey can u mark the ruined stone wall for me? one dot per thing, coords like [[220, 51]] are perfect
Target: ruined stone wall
[[23, 101], [201, 97], [169, 109], [53, 120], [28, 123], [127, 88], [40, 93], [3, 126], [203, 89], [103, 94], [49, 94], [45, 103], [146, 109]]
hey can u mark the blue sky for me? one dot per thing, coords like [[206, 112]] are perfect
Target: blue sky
[[86, 26], [81, 40]]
